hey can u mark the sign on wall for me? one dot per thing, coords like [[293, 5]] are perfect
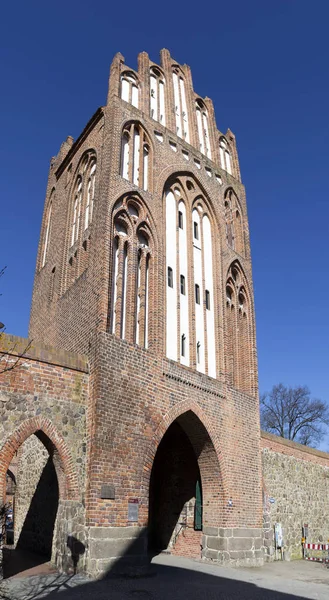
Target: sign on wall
[[133, 509]]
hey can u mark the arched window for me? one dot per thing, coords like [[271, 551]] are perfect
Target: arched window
[[225, 155], [52, 284], [233, 221], [131, 268], [129, 88], [90, 194], [47, 235], [135, 156], [181, 114], [238, 331], [146, 151], [157, 96], [203, 129]]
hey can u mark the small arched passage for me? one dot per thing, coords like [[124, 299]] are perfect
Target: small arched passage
[[36, 497], [185, 490], [44, 477]]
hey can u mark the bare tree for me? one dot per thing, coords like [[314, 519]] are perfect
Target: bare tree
[[9, 356], [291, 413]]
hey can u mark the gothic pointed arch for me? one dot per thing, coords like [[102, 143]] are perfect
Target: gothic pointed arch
[[56, 446], [189, 416]]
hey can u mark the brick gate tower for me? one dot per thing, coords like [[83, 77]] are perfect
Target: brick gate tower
[[144, 266]]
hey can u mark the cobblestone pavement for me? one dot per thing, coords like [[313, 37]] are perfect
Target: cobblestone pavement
[[171, 578]]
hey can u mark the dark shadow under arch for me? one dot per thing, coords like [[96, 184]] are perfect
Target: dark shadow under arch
[[38, 528]]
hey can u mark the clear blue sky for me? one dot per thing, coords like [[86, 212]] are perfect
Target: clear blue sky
[[265, 65]]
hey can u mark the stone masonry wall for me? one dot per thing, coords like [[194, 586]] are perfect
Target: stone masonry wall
[[296, 491], [46, 393]]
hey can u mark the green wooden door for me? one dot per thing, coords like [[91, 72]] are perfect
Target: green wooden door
[[198, 507]]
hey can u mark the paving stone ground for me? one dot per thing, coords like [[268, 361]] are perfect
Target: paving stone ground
[[171, 578]]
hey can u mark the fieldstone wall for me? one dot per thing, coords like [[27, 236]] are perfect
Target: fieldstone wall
[[296, 491], [70, 546]]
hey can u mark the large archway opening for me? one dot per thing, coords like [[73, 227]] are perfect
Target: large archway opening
[[185, 488]]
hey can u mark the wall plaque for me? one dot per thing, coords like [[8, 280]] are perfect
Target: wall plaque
[[108, 492], [133, 509]]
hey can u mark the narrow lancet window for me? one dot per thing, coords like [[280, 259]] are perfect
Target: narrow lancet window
[[135, 156], [181, 115], [207, 300], [47, 236], [145, 166], [225, 155], [90, 196], [170, 278], [125, 156], [157, 96], [197, 293], [183, 344], [129, 88], [203, 129], [182, 285], [198, 346], [76, 212], [124, 290]]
